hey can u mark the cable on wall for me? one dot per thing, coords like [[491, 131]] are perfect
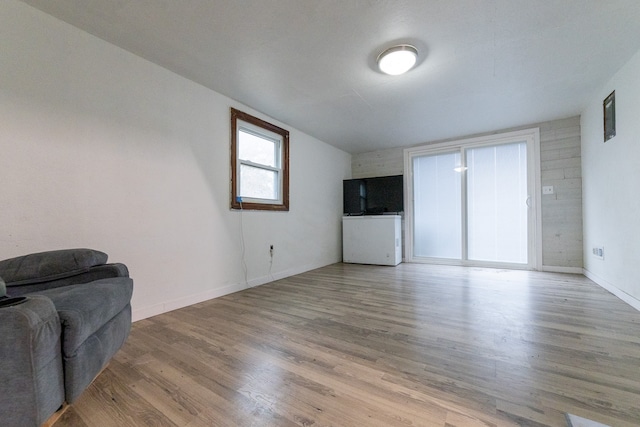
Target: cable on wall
[[271, 262], [242, 244]]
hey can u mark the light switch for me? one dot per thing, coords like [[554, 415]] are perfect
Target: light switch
[[547, 189]]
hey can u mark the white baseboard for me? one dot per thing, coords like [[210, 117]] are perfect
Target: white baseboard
[[556, 269], [154, 310], [633, 302], [282, 274], [164, 307]]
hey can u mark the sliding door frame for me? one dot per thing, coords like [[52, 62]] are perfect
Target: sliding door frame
[[534, 227]]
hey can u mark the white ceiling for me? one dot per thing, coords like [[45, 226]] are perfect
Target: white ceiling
[[484, 65]]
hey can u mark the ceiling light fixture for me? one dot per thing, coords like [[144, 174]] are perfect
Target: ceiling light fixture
[[397, 59]]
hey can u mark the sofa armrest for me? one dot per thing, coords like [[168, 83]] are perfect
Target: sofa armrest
[[31, 375]]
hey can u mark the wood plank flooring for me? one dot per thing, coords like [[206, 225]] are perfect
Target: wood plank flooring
[[355, 345]]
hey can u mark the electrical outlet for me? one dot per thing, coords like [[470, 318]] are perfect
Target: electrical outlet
[[598, 252], [547, 189]]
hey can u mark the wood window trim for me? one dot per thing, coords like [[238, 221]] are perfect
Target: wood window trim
[[235, 203]]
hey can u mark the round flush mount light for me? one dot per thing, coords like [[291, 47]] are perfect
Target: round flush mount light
[[398, 59]]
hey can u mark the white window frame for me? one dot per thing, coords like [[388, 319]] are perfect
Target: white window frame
[[277, 155], [532, 137]]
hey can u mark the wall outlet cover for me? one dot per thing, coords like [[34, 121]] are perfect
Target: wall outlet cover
[[598, 252]]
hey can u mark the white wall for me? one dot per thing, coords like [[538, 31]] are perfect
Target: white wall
[[611, 185], [102, 149]]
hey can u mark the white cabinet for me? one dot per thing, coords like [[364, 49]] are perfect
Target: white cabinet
[[374, 239]]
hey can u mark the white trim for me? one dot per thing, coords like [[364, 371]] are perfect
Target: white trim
[[145, 312], [532, 137], [408, 207], [464, 206], [164, 307], [498, 138], [537, 199], [632, 301], [558, 269], [278, 141]]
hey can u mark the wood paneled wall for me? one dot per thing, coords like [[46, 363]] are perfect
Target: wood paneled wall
[[560, 165]]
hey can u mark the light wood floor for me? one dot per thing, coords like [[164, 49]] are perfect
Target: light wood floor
[[353, 345]]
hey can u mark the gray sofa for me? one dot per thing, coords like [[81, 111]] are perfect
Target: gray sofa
[[63, 315]]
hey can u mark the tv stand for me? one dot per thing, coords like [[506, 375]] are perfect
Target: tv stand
[[372, 239]]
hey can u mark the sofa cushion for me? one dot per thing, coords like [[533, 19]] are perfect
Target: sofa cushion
[[94, 354], [3, 288], [85, 308], [51, 265]]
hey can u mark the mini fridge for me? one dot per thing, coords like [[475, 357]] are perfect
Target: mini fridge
[[372, 239]]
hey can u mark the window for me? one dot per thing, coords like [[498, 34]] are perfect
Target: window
[[259, 164]]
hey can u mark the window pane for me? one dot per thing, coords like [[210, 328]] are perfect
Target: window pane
[[258, 183], [256, 149], [437, 206], [497, 203], [259, 164]]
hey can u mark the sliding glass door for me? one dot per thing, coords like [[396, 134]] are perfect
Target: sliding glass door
[[437, 204], [470, 203], [497, 211]]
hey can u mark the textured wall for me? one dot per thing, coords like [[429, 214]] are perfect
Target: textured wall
[[562, 211]]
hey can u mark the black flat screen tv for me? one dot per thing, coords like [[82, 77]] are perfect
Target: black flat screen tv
[[373, 196]]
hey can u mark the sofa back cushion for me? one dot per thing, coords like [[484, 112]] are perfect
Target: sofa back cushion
[[51, 265]]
